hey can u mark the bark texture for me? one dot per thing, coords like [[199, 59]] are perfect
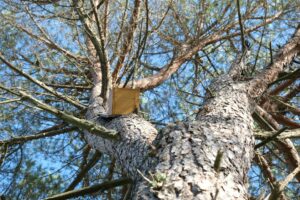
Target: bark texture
[[184, 166], [136, 136], [188, 151]]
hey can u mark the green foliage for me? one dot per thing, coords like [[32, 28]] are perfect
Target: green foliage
[[34, 182], [45, 167]]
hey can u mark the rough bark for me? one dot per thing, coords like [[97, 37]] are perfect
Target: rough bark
[[183, 161], [135, 136], [187, 152]]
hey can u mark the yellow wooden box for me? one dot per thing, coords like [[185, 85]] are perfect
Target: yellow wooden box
[[123, 101]]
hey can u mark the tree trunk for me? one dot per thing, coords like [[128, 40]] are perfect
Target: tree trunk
[[188, 151], [205, 159], [180, 162]]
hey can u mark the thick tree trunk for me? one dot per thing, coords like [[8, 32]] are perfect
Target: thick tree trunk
[[186, 153], [184, 161]]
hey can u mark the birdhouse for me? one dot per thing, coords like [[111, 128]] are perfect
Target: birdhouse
[[123, 101]]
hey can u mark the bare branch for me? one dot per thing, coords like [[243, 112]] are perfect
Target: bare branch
[[290, 153], [9, 101], [80, 123], [186, 51], [278, 190], [269, 139], [100, 49], [43, 2], [259, 84], [84, 170], [127, 45], [218, 36], [78, 87], [92, 189], [263, 163], [241, 26], [51, 44], [293, 133], [268, 117], [286, 121], [42, 134], [42, 85]]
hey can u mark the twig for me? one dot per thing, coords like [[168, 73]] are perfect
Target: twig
[[84, 170], [91, 189], [241, 26], [262, 135], [269, 139], [41, 84], [9, 101], [80, 123], [41, 134], [280, 186], [271, 52]]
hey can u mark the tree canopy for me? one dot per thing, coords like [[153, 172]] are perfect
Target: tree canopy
[[53, 52]]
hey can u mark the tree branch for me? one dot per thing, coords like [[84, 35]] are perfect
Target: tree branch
[[89, 190], [80, 123], [290, 153], [51, 44], [186, 51], [43, 2], [9, 101], [285, 121], [78, 87], [42, 85], [100, 49], [263, 163], [260, 83], [268, 117], [50, 132], [241, 26], [269, 139], [127, 45], [84, 170], [278, 190], [293, 133]]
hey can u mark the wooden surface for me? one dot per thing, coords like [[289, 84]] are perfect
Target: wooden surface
[[125, 101]]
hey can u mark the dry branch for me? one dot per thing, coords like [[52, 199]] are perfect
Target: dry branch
[[42, 85], [90, 190]]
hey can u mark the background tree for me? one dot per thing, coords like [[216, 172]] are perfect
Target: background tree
[[214, 74]]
